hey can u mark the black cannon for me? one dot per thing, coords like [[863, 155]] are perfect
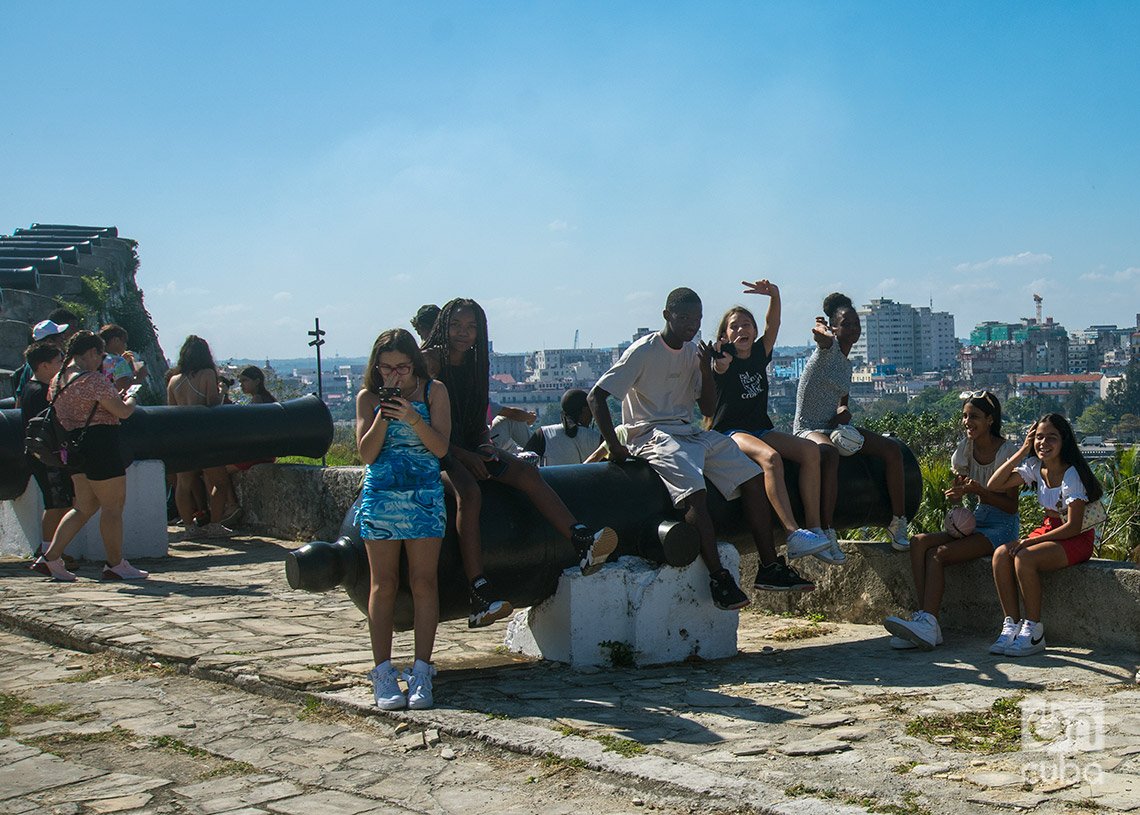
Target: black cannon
[[67, 232], [83, 247], [26, 278], [46, 265], [107, 231], [190, 438], [67, 254], [64, 249], [523, 555]]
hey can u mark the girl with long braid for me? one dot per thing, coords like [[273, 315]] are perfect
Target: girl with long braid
[[458, 355]]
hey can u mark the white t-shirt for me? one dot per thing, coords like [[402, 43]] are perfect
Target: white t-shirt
[[658, 386], [964, 463], [1053, 499], [561, 449]]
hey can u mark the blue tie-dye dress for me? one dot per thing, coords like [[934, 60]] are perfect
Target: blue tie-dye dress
[[402, 496]]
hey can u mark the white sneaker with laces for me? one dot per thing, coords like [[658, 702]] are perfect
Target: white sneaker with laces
[[922, 629], [1009, 629], [899, 644], [1029, 640], [124, 571], [419, 687], [386, 690], [803, 542], [832, 555], [900, 537]]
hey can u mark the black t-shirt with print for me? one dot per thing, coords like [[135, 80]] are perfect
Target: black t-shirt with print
[[742, 393]]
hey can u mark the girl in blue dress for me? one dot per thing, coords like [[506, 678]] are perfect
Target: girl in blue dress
[[403, 422]]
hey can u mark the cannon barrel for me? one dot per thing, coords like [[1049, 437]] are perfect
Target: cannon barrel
[[83, 247], [106, 231], [26, 278], [70, 249], [67, 254], [191, 438], [523, 555], [46, 264]]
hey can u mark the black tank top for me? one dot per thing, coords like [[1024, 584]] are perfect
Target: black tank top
[[742, 393]]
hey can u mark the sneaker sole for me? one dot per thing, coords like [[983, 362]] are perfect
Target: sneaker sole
[[898, 548], [735, 606], [490, 618], [801, 589], [119, 577], [824, 557], [904, 633], [1009, 652], [814, 550], [899, 644], [421, 705], [392, 705], [603, 547]]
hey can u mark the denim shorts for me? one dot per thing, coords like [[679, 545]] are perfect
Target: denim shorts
[[757, 433], [999, 527]]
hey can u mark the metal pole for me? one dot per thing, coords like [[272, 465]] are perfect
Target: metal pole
[[317, 342]]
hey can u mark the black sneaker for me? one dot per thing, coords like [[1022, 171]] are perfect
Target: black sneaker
[[593, 546], [779, 576], [484, 609], [726, 595]]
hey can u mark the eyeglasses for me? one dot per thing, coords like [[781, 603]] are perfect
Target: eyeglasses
[[401, 369]]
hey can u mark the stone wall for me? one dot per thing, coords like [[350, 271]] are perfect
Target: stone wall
[[1096, 604]]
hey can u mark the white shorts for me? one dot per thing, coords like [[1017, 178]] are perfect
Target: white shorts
[[684, 461], [806, 434]]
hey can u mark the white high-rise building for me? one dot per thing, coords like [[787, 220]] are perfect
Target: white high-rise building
[[899, 334]]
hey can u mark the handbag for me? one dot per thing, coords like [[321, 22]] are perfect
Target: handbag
[[1095, 515], [46, 439]]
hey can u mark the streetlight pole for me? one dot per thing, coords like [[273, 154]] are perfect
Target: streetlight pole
[[317, 334]]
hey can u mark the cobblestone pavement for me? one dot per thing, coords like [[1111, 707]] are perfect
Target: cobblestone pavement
[[809, 717], [88, 733]]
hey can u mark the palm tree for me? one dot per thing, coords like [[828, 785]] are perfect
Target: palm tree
[[1120, 538]]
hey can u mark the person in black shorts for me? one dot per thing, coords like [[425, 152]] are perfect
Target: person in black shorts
[[44, 361]]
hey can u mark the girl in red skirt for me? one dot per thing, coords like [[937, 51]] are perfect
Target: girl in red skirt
[[1050, 462]]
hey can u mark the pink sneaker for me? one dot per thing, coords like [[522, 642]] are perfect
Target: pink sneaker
[[124, 571], [53, 569]]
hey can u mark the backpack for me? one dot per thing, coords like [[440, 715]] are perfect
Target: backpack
[[46, 439]]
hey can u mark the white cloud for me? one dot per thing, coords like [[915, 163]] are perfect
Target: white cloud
[[1123, 276], [173, 288], [402, 277], [510, 308], [1020, 259], [559, 225], [282, 296]]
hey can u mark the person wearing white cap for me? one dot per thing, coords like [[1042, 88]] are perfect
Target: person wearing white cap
[[48, 328], [57, 330]]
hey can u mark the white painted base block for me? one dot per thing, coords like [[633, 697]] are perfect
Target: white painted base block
[[663, 613], [144, 519]]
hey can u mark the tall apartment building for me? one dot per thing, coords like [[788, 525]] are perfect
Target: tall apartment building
[[1001, 351], [916, 339]]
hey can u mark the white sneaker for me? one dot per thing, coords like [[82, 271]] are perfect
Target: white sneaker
[[899, 644], [386, 690], [1029, 640], [803, 542], [900, 537], [419, 688], [832, 555], [217, 530], [124, 571], [1009, 629], [922, 629]]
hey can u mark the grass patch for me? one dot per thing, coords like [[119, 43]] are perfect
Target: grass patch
[[551, 760], [620, 653], [626, 748], [997, 730], [806, 631], [15, 711], [909, 805], [904, 768], [49, 743], [497, 715]]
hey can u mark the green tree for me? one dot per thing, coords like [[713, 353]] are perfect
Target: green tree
[[1029, 408], [1128, 428], [1120, 536], [926, 434], [1094, 420], [1077, 400], [1124, 394]]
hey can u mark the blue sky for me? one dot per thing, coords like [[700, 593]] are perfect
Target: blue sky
[[569, 164]]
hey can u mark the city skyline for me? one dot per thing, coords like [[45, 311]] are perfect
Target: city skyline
[[568, 165]]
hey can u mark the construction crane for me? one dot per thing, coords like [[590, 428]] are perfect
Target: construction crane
[[575, 339], [1037, 298]]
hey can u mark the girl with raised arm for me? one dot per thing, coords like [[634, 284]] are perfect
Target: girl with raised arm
[[1050, 462], [821, 408], [740, 373]]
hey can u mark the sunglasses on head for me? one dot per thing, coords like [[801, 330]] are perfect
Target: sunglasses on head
[[983, 394]]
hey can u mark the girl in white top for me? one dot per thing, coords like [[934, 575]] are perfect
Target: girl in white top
[[978, 456], [1050, 462]]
